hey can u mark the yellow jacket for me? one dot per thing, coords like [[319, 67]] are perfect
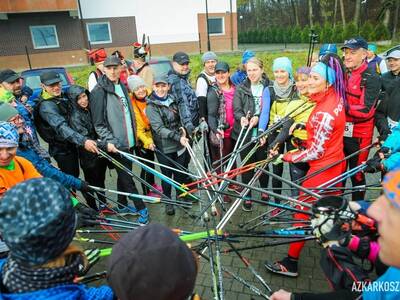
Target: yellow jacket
[[142, 123]]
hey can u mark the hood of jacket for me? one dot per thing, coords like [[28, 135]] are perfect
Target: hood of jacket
[[181, 76], [106, 83], [153, 100], [73, 93]]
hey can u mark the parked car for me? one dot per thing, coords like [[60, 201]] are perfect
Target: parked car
[[31, 78], [384, 54], [159, 65]]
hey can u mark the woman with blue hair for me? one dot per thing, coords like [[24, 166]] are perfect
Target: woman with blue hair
[[283, 91], [324, 146]]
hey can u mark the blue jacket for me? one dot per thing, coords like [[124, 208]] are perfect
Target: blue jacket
[[63, 292], [393, 143], [48, 170], [389, 282], [238, 77], [183, 91]]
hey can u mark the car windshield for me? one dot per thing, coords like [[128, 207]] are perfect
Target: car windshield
[[33, 81], [161, 68]]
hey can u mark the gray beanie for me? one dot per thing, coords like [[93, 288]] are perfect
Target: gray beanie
[[209, 56], [7, 111], [135, 81]]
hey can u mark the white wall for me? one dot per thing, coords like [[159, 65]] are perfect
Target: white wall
[[165, 21]]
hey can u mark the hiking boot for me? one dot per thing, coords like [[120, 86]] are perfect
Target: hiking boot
[[286, 267], [169, 209], [247, 205], [143, 216]]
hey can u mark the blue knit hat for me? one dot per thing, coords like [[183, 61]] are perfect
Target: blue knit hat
[[37, 220], [326, 72], [283, 63], [9, 136], [372, 47], [327, 48], [247, 55]]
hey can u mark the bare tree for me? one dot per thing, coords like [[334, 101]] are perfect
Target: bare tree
[[335, 13], [395, 20], [357, 12], [295, 11], [342, 13], [310, 12]]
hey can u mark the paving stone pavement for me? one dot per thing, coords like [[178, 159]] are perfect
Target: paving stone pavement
[[311, 277]]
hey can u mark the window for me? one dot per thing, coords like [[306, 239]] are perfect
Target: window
[[99, 33], [216, 26], [44, 36]]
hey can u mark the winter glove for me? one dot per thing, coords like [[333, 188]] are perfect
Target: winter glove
[[385, 151], [92, 256], [86, 215], [288, 157], [85, 188], [373, 165]]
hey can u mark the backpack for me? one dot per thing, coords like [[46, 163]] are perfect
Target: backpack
[[45, 131]]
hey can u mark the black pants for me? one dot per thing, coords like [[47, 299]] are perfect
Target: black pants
[[95, 174], [177, 176], [146, 176], [260, 154], [126, 184], [351, 145], [297, 170], [68, 163]]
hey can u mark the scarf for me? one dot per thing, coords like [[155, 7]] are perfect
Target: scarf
[[283, 92], [18, 278]]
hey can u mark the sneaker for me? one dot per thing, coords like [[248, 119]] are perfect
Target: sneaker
[[169, 209], [105, 210], [247, 205], [128, 210], [235, 188], [286, 267], [226, 199], [143, 216], [265, 198], [276, 212], [158, 187]]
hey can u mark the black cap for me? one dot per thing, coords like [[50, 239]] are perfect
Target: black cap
[[151, 262], [222, 66], [181, 58], [8, 76], [50, 77], [163, 78], [355, 43], [112, 61]]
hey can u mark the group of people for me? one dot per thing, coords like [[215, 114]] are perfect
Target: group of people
[[313, 118]]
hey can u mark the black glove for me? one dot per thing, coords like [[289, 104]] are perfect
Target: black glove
[[86, 216], [374, 165], [385, 151], [85, 188]]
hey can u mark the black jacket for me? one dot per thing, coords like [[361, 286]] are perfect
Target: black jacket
[[108, 114], [81, 122], [243, 102], [165, 121], [388, 110], [51, 120]]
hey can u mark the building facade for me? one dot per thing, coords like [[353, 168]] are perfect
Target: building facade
[[58, 32]]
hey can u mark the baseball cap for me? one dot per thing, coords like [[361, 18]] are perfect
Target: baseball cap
[[222, 66], [8, 76], [50, 77], [161, 79], [181, 58], [112, 61], [394, 54], [355, 43]]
